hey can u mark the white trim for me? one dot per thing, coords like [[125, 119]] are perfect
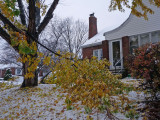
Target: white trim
[[100, 51], [111, 54], [16, 71], [150, 37]]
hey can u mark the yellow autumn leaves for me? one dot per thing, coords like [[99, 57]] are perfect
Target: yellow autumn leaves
[[88, 81]]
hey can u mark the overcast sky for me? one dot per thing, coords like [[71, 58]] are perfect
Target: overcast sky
[[80, 9]]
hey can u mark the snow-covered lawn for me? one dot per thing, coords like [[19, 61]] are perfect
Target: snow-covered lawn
[[45, 102]]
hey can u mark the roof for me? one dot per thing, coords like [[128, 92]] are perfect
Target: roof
[[98, 38], [4, 66], [131, 26], [136, 26]]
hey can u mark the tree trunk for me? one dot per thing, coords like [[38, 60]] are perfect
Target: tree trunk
[[29, 82], [31, 30]]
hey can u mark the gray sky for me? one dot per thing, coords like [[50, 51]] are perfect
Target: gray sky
[[80, 9]]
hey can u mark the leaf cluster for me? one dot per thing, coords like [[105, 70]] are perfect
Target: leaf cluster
[[138, 7], [90, 82]]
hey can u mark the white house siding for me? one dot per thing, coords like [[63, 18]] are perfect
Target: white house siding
[[135, 25]]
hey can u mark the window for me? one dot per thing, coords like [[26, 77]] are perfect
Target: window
[[18, 71], [155, 36], [98, 53], [144, 39], [139, 40], [133, 43]]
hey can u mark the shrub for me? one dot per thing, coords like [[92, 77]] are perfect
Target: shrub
[[8, 74], [146, 64]]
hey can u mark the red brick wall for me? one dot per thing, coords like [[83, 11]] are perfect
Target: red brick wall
[[125, 46], [88, 52], [13, 70], [105, 47], [0, 73], [3, 72]]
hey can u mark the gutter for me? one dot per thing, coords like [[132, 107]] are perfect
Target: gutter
[[91, 45]]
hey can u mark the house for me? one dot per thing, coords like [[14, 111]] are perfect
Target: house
[[118, 43], [15, 69]]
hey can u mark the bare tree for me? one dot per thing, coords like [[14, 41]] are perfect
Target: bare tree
[[81, 36], [52, 36], [74, 35], [65, 35]]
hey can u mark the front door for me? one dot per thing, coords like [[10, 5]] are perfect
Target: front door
[[116, 54]]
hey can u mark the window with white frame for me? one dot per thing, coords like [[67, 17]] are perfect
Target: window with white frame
[[98, 53], [133, 43], [18, 71], [155, 36], [142, 39]]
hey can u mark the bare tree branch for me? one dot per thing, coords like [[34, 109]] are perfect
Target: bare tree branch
[[48, 16], [32, 37], [9, 23], [32, 24], [7, 37], [22, 13]]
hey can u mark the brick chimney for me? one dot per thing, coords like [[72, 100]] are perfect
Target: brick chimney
[[92, 25]]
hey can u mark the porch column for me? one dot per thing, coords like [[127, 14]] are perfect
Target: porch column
[[105, 48], [125, 46]]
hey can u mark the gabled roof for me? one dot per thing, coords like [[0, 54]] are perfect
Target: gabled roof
[[132, 26], [98, 38], [4, 66], [135, 26]]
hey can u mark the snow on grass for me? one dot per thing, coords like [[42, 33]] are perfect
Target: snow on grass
[[45, 102]]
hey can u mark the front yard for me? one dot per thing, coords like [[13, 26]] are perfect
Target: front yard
[[48, 102]]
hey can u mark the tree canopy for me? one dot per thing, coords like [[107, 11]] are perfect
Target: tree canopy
[[133, 4]]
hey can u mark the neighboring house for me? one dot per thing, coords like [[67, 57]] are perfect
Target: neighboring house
[[118, 43], [15, 69]]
